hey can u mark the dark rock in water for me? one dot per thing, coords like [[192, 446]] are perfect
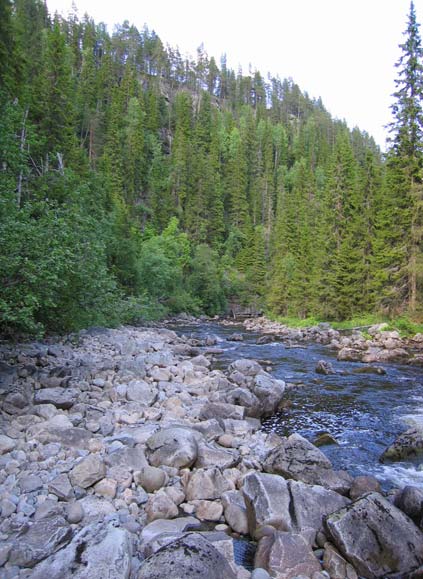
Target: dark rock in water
[[362, 485], [235, 338], [324, 367], [40, 540], [266, 339], [189, 557], [376, 537], [370, 370], [409, 444], [324, 439], [410, 501]]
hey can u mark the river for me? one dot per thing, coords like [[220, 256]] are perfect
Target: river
[[363, 412]]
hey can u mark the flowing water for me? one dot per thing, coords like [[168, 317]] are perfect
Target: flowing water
[[363, 412]]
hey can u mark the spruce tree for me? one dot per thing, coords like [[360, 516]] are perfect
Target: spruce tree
[[404, 172]]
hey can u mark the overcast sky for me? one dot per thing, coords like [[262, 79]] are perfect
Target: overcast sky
[[341, 50]]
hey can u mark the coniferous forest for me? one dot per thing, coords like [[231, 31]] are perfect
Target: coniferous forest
[[136, 183]]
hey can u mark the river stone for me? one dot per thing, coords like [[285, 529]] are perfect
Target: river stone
[[245, 398], [74, 512], [7, 444], [222, 410], [410, 501], [235, 511], [207, 484], [376, 537], [189, 557], [407, 445], [286, 555], [324, 367], [88, 471], [42, 539], [127, 458], [98, 551], [298, 459], [269, 391], [208, 510], [176, 447], [30, 483], [69, 437], [288, 505], [350, 355], [165, 526], [246, 367], [160, 506], [63, 398], [61, 487], [362, 485], [140, 391], [150, 478], [336, 565], [209, 454]]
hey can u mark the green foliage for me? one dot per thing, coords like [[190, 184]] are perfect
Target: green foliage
[[134, 183]]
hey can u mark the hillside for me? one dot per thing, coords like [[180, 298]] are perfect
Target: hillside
[[136, 183]]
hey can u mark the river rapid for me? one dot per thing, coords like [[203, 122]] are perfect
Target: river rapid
[[363, 412]]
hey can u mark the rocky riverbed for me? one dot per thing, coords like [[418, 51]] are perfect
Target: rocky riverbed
[[124, 454], [373, 346]]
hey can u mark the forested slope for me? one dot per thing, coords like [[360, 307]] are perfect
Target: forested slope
[[135, 182]]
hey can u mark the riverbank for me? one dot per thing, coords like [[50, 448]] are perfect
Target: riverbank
[[125, 453], [374, 345]]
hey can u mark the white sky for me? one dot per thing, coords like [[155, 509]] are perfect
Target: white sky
[[341, 50]]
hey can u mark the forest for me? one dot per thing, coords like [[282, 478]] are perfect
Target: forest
[[136, 183]]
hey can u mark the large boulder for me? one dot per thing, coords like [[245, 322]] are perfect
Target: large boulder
[[208, 484], [188, 557], [140, 391], [376, 537], [269, 391], [246, 367], [407, 445], [63, 398], [88, 471], [286, 555], [99, 550], [173, 446], [41, 539], [288, 505], [235, 511], [298, 459]]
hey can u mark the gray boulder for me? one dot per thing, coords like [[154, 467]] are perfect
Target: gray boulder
[[88, 471], [63, 398], [410, 501], [174, 446], [39, 541], [288, 505], [246, 367], [376, 537], [140, 391], [210, 454], [235, 511], [189, 557], [269, 391], [222, 410], [286, 555], [298, 459], [99, 550], [208, 484]]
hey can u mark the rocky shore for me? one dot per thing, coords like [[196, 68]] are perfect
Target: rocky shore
[[375, 345], [124, 454]]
